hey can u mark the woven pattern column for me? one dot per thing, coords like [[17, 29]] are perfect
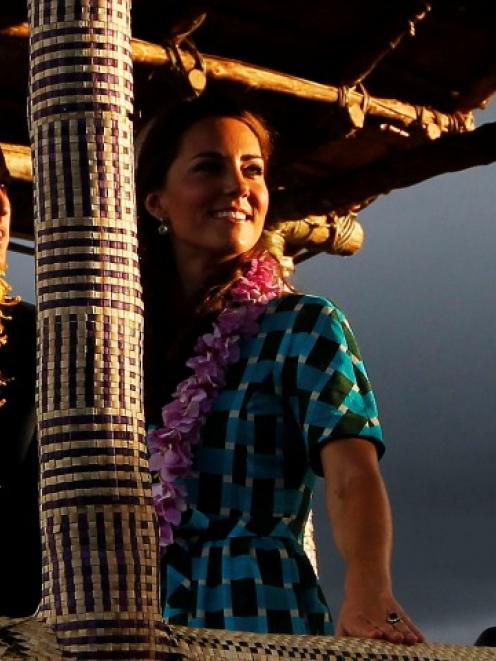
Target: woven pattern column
[[100, 584]]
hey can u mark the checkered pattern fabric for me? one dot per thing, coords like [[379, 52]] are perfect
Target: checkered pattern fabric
[[238, 562]]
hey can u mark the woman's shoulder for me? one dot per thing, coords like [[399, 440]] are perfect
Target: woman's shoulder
[[301, 302], [310, 314]]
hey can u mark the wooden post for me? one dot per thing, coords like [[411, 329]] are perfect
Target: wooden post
[[100, 563]]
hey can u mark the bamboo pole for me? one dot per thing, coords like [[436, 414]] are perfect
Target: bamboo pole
[[255, 77]]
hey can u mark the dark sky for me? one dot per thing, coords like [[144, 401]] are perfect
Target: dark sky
[[420, 298]]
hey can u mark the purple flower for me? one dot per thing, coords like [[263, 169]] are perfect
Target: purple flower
[[230, 320], [207, 371], [184, 416], [160, 438]]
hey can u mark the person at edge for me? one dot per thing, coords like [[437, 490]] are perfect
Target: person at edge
[[20, 550], [292, 400]]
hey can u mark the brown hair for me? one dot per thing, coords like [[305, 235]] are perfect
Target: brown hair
[[165, 315]]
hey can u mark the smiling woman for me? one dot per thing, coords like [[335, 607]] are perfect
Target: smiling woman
[[213, 199], [251, 391]]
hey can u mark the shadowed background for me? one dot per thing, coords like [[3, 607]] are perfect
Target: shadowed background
[[420, 298]]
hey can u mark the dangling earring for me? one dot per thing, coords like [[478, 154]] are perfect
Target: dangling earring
[[163, 227]]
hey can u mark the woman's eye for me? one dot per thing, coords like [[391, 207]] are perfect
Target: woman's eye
[[254, 170]]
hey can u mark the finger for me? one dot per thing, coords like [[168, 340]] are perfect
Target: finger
[[394, 636], [368, 631], [413, 636], [363, 628], [409, 630], [400, 633], [416, 632], [391, 634], [359, 629]]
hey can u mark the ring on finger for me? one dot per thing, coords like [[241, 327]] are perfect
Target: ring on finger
[[393, 618]]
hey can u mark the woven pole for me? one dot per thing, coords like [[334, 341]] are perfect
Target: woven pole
[[100, 565]]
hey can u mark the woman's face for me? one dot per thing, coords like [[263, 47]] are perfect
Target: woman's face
[[4, 226], [214, 196]]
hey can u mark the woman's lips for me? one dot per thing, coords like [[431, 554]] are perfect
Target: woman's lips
[[232, 215]]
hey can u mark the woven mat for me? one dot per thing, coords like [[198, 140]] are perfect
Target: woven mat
[[215, 644], [29, 638]]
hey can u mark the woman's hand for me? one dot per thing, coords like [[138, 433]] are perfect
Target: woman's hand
[[360, 516], [365, 616]]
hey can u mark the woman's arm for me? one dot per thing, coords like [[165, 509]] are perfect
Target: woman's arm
[[360, 516]]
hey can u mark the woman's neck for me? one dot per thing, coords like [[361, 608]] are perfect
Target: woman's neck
[[197, 274], [193, 276]]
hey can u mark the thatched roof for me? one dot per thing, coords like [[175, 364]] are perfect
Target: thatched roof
[[365, 97]]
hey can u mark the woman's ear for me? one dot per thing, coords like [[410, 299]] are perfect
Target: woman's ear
[[154, 205]]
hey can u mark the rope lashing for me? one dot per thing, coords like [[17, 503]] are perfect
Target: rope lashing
[[355, 112], [195, 77]]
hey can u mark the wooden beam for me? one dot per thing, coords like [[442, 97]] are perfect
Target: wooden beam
[[401, 114], [20, 30], [392, 110], [18, 159]]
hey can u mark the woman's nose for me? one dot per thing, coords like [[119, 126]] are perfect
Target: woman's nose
[[235, 183]]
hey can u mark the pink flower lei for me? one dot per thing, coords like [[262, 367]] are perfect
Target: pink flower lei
[[171, 445]]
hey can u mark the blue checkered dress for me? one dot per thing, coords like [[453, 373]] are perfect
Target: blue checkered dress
[[237, 562]]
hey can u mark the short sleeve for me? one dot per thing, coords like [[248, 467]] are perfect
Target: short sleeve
[[324, 378]]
